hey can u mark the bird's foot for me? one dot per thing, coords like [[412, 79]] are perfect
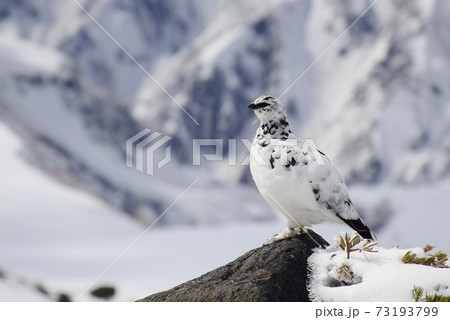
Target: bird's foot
[[286, 234]]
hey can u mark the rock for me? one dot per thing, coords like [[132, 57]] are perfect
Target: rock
[[40, 288], [274, 272], [63, 297], [105, 292]]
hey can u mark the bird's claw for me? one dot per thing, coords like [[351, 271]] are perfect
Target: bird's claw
[[286, 234]]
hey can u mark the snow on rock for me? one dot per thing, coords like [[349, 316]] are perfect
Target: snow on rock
[[13, 288], [372, 276], [26, 56]]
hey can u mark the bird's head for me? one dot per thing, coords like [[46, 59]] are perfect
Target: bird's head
[[267, 108]]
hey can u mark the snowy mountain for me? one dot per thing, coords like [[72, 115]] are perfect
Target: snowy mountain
[[78, 78], [214, 60], [75, 124]]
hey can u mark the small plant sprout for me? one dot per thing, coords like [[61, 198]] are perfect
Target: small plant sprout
[[420, 295], [437, 260], [345, 273], [417, 293], [356, 243]]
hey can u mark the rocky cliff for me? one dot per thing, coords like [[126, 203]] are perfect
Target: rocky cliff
[[274, 272]]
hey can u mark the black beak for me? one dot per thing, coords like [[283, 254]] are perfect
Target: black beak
[[257, 106]]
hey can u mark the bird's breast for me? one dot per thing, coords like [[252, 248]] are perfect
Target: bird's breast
[[287, 185]]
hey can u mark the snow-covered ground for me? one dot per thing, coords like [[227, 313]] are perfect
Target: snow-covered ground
[[373, 276], [64, 238]]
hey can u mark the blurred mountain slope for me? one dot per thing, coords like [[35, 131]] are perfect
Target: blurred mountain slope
[[377, 102]]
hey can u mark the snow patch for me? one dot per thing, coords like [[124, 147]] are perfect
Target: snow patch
[[371, 276]]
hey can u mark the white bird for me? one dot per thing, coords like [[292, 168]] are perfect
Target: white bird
[[295, 178]]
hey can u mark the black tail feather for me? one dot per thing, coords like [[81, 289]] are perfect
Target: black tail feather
[[359, 226]]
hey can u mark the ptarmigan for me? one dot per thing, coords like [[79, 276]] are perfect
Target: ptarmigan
[[295, 178]]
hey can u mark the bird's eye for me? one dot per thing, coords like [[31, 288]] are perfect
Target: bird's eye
[[262, 104]]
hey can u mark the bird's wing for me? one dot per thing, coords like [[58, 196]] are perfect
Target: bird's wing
[[331, 192], [329, 188], [326, 183]]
